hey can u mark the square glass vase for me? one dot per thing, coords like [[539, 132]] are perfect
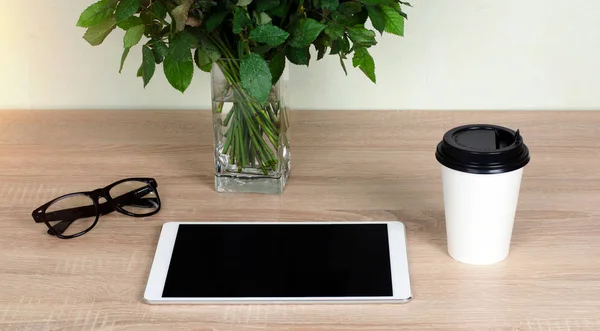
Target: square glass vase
[[251, 145]]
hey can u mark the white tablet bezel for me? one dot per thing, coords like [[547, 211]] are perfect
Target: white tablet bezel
[[398, 261]]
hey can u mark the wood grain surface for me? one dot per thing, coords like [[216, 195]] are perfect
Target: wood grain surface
[[351, 165]]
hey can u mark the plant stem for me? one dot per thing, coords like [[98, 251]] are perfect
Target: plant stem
[[228, 117], [251, 124]]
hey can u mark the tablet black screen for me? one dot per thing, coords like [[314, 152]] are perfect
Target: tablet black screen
[[280, 260]]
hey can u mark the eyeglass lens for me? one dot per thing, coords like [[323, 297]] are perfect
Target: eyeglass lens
[[72, 214], [135, 197]]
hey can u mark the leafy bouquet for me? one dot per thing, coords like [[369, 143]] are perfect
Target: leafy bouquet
[[249, 41]]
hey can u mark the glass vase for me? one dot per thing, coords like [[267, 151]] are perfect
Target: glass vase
[[251, 145]]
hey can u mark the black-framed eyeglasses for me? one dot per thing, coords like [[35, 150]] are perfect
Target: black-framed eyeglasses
[[73, 215]]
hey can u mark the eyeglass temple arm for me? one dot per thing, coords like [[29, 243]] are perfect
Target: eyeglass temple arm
[[62, 226], [73, 214], [70, 215]]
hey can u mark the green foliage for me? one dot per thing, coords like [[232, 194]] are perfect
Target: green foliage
[[378, 17], [130, 22], [260, 34], [256, 77], [298, 56], [306, 32], [148, 64], [160, 51], [133, 36], [330, 4], [124, 57], [96, 34], [96, 13], [180, 14], [126, 9], [269, 34], [394, 21], [241, 20], [277, 66], [178, 64], [364, 61], [350, 8], [264, 5]]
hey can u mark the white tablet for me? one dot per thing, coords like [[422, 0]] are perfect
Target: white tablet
[[307, 262]]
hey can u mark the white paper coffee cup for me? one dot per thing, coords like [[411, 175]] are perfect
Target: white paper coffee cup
[[482, 168]]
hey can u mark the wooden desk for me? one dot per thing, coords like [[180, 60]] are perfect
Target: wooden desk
[[346, 166]]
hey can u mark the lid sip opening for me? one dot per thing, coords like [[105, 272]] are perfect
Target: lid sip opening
[[483, 149], [517, 136]]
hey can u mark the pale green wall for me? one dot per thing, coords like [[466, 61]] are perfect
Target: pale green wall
[[458, 54]]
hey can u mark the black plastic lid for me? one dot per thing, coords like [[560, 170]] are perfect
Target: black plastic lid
[[482, 149]]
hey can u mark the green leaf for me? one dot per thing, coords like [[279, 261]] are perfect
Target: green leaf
[[321, 44], [147, 17], [362, 37], [208, 48], [377, 17], [123, 58], [96, 34], [261, 50], [341, 46], [133, 36], [159, 9], [298, 56], [345, 45], [211, 50], [214, 20], [335, 31], [336, 46], [180, 14], [330, 4], [264, 5], [343, 64], [269, 34], [160, 51], [277, 66], [321, 50], [360, 18], [394, 21], [350, 7], [181, 45], [204, 56], [256, 77], [153, 29], [243, 2], [241, 20], [375, 2], [126, 9], [140, 71], [306, 32], [262, 18], [350, 19], [179, 65], [148, 64], [130, 22], [96, 13], [398, 9], [201, 58], [281, 10], [207, 68], [365, 62]]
